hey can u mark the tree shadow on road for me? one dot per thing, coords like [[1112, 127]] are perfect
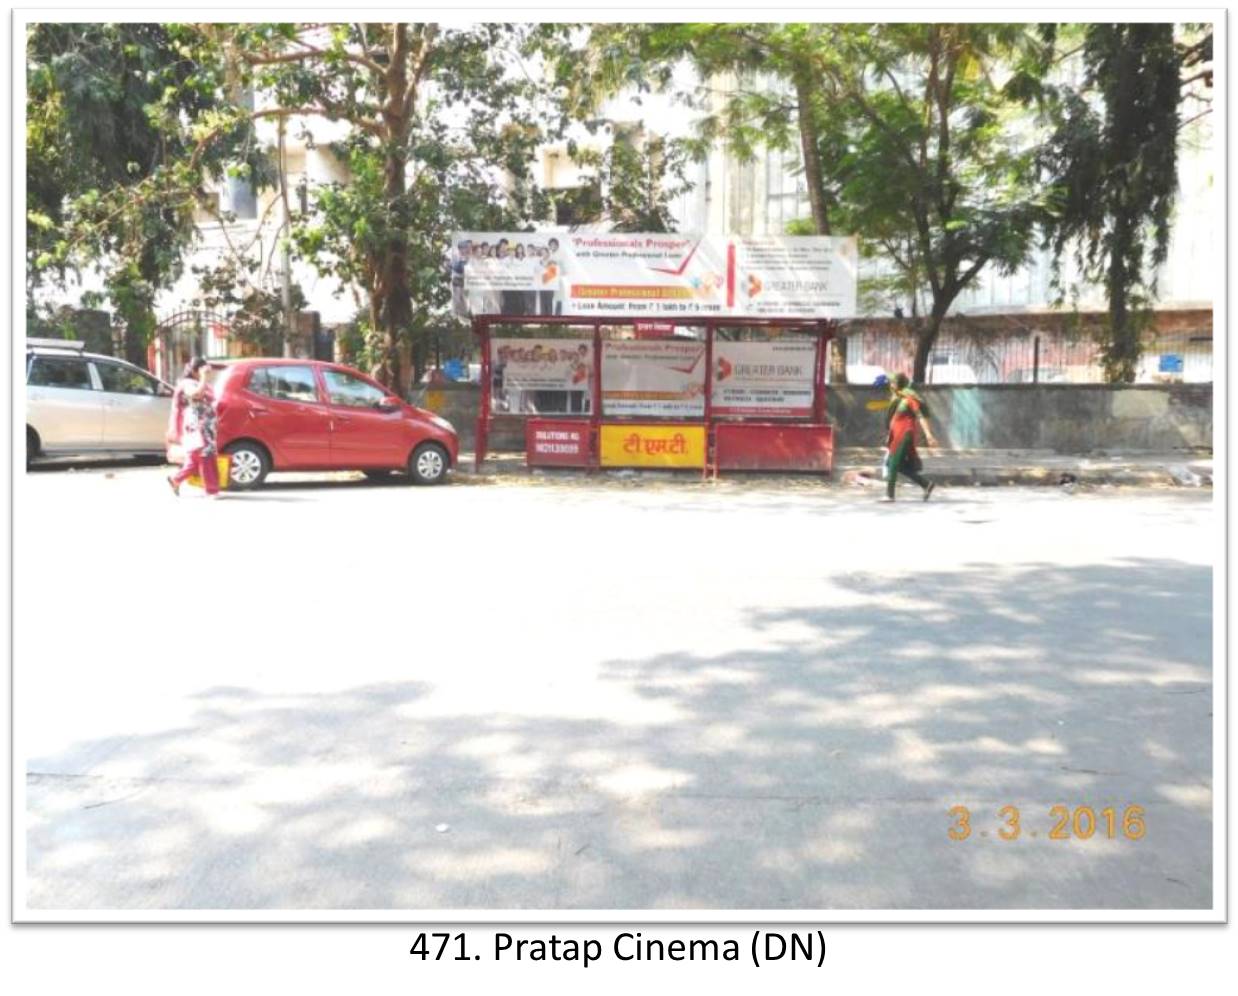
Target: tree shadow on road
[[812, 770]]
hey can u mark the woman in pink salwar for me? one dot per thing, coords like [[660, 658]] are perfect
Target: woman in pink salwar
[[192, 425]]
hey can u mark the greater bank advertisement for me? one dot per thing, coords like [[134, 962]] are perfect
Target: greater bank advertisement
[[764, 378], [654, 275]]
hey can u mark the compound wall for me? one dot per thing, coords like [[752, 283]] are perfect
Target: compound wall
[[1063, 418]]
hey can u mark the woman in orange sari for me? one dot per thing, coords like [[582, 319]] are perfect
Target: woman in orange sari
[[907, 410]]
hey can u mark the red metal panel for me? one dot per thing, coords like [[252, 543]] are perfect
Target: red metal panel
[[654, 330], [557, 442], [482, 437], [774, 446]]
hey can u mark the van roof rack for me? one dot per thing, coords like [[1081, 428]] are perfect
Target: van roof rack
[[72, 344]]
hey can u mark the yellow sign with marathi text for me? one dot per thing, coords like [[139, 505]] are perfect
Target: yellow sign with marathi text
[[652, 445]]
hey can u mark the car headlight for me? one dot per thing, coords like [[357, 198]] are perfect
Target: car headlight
[[442, 423]]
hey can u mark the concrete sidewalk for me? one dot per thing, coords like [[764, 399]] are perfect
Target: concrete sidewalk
[[985, 468], [1032, 467]]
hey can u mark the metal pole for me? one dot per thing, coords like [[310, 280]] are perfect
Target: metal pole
[[595, 416], [709, 398], [481, 328], [1035, 359], [818, 375], [709, 375], [285, 256]]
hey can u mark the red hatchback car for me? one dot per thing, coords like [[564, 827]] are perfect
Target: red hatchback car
[[286, 414]]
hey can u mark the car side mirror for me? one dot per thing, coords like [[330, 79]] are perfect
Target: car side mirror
[[388, 405], [164, 391]]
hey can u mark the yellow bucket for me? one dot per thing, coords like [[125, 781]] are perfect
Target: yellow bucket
[[222, 463]]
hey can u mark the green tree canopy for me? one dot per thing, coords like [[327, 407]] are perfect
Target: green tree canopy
[[1112, 160], [130, 125], [910, 135], [109, 113], [441, 127]]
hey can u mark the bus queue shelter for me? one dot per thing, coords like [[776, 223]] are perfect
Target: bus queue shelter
[[607, 429]]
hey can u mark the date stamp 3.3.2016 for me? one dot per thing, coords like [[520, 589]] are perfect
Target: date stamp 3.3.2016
[[1061, 822]]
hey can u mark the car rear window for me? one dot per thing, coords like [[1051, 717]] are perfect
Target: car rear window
[[60, 371]]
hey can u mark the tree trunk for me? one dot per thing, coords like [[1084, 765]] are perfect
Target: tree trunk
[[838, 360], [813, 177], [397, 315], [136, 343], [926, 339], [1121, 352], [420, 356], [396, 306]]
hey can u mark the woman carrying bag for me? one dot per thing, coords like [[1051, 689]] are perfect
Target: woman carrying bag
[[906, 412], [191, 430]]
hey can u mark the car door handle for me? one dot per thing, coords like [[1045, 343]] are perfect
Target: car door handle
[[259, 410], [343, 418]]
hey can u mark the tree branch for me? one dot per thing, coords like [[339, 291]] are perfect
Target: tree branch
[[889, 247], [1191, 120], [419, 70], [944, 196], [1193, 54], [267, 58], [970, 272], [312, 110]]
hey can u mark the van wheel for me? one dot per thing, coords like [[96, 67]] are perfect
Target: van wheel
[[248, 466], [428, 464], [32, 446]]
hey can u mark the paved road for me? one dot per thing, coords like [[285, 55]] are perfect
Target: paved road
[[608, 695]]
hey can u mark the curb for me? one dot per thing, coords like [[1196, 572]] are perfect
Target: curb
[[985, 477], [990, 477]]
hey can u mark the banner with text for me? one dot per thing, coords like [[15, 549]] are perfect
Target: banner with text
[[653, 275], [764, 378], [665, 378], [629, 445], [542, 364]]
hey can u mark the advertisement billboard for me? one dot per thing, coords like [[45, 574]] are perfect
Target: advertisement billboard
[[764, 378], [645, 276], [653, 377], [542, 364], [652, 445]]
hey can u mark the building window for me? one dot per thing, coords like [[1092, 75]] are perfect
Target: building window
[[786, 194]]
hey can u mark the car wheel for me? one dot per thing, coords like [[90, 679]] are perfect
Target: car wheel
[[248, 466], [428, 464]]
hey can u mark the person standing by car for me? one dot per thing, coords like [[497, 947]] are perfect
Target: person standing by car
[[193, 426], [906, 411]]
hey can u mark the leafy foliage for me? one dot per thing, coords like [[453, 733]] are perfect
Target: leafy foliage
[[258, 317], [1112, 160], [436, 119], [131, 124], [110, 108], [912, 135], [636, 180]]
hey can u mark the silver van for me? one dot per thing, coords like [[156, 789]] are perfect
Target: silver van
[[84, 404]]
